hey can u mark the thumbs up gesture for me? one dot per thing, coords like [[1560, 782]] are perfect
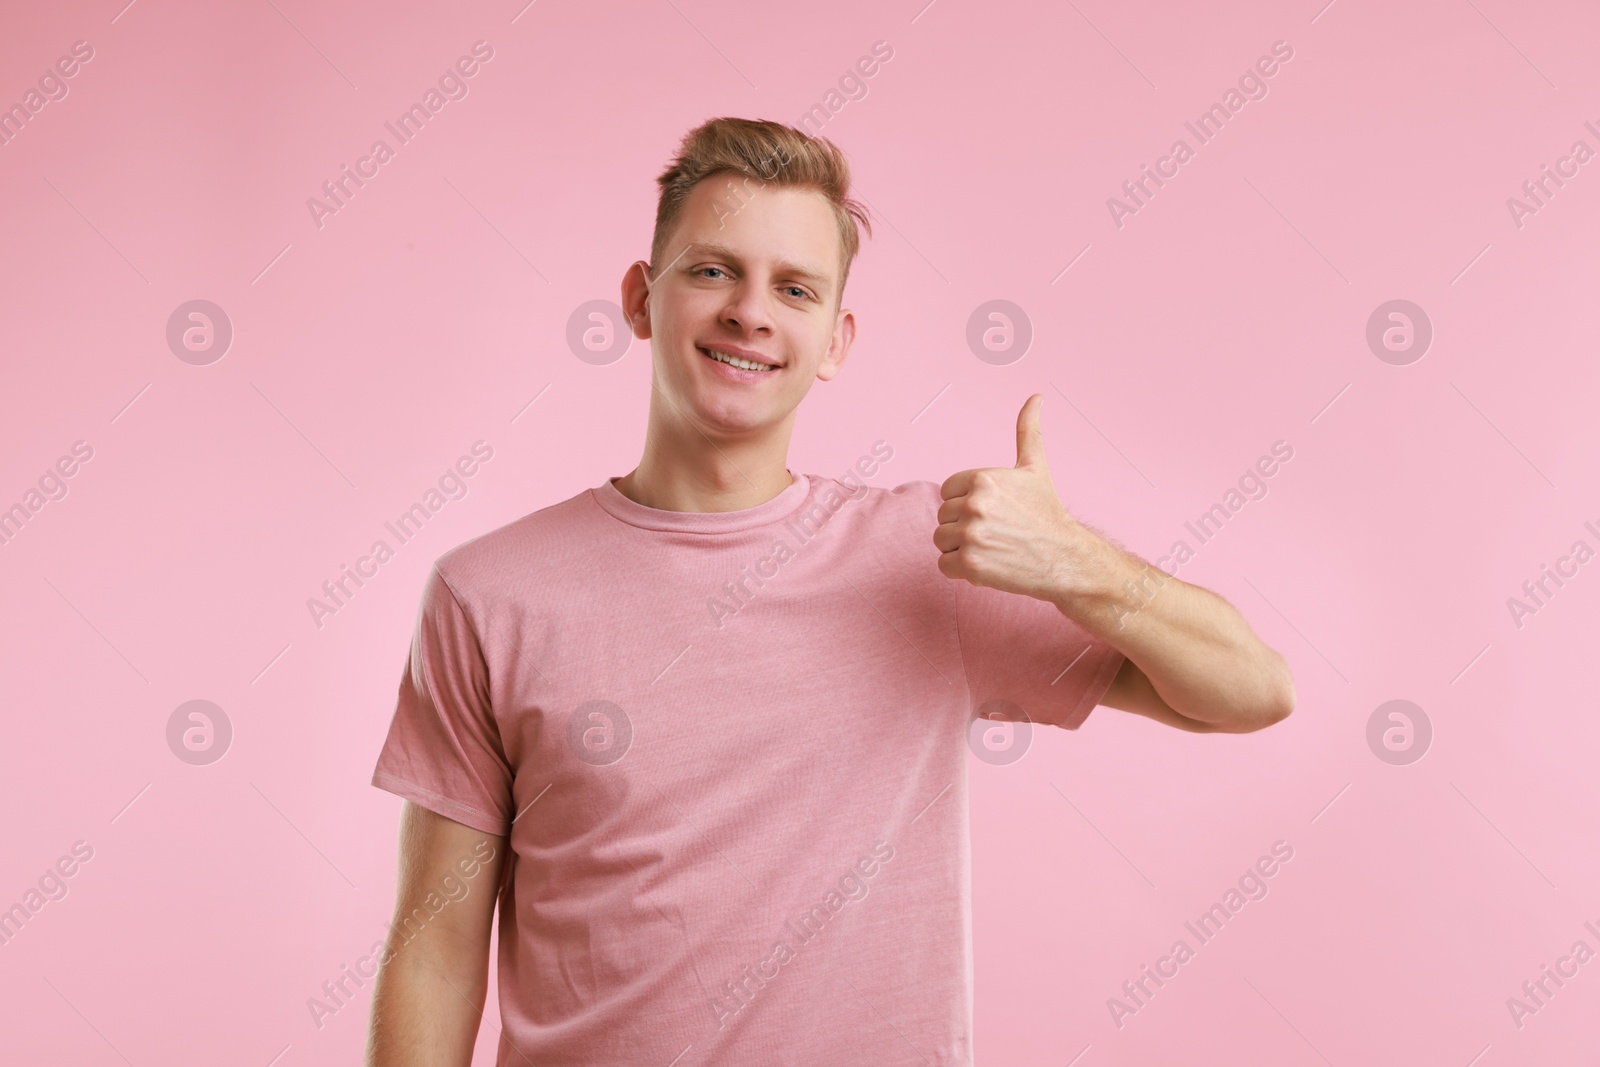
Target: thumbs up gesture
[[1006, 528]]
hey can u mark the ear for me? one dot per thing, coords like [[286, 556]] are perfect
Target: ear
[[636, 299], [844, 335]]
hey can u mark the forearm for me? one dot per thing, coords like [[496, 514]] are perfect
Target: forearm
[[426, 1009], [1198, 652]]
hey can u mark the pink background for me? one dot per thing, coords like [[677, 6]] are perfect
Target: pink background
[[1229, 313]]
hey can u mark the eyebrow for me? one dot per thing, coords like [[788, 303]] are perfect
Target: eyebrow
[[822, 281]]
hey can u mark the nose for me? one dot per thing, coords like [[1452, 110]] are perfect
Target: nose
[[747, 310]]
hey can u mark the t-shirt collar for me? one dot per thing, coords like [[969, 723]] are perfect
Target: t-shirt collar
[[610, 498]]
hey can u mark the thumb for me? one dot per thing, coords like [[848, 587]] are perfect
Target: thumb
[[1030, 437]]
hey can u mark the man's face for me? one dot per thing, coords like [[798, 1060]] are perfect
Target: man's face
[[751, 268]]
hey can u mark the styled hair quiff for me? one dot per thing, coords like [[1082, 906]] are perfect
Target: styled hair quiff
[[761, 151]]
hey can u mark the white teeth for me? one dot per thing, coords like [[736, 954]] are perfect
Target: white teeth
[[734, 361]]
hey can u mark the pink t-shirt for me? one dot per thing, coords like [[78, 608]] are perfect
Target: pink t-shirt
[[730, 750]]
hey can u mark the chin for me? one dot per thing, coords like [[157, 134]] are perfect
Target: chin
[[730, 414]]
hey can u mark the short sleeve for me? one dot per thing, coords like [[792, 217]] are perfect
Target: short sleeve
[[1023, 650], [444, 750]]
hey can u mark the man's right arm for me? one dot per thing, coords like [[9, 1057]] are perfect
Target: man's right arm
[[430, 989]]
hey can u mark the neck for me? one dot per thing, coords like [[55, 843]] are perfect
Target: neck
[[685, 470]]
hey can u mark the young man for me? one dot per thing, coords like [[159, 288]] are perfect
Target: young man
[[703, 729]]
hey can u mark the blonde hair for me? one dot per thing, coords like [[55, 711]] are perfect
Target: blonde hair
[[769, 152]]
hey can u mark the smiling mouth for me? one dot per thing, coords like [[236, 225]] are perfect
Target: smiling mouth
[[734, 361]]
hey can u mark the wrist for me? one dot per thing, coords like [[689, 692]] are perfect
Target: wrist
[[1111, 588]]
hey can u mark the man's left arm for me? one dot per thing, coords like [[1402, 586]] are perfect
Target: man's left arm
[[1193, 662]]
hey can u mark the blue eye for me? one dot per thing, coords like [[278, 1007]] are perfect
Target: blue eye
[[798, 292]]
